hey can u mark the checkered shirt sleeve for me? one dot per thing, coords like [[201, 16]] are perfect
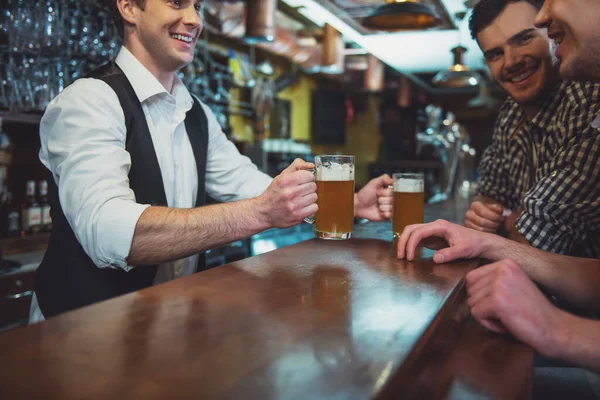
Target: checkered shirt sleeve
[[494, 176], [562, 210]]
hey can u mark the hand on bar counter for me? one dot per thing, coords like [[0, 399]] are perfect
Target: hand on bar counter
[[503, 296], [503, 299], [452, 241]]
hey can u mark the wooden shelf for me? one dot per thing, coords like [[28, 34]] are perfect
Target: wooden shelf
[[21, 117], [19, 245]]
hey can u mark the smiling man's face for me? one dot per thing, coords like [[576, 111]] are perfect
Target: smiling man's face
[[519, 55], [574, 26]]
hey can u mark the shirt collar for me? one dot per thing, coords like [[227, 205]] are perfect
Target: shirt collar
[[546, 115], [146, 85]]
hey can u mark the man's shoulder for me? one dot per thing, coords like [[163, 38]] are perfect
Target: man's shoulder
[[85, 90], [580, 93]]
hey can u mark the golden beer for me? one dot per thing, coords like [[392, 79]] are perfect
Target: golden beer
[[335, 217], [334, 176], [409, 201]]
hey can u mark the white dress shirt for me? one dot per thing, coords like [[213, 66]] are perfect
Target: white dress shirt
[[83, 137]]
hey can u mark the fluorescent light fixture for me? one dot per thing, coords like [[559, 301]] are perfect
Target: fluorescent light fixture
[[355, 52], [320, 15], [422, 51]]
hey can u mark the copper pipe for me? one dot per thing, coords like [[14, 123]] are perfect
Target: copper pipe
[[333, 51], [260, 21], [374, 74]]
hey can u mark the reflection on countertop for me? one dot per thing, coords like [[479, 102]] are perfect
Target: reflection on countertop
[[273, 239]]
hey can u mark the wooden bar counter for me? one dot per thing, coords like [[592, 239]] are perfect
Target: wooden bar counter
[[315, 320]]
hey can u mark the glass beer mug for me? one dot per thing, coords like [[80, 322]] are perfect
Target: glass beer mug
[[409, 201], [334, 176]]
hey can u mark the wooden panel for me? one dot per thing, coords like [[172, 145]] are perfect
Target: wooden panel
[[19, 245]]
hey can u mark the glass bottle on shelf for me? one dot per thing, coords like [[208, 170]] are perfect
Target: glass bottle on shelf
[[11, 217], [31, 217], [46, 223]]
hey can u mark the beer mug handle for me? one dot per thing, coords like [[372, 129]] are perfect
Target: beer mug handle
[[311, 219]]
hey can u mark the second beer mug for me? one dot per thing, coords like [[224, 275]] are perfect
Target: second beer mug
[[409, 201], [335, 190]]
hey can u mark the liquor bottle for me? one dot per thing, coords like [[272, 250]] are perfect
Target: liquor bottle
[[11, 217], [46, 223], [31, 217]]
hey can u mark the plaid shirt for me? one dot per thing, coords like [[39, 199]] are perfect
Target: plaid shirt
[[549, 168]]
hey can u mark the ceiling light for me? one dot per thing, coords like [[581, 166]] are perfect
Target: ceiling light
[[458, 75], [402, 15], [265, 68], [484, 99]]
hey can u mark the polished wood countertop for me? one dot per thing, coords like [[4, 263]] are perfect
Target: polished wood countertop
[[314, 320]]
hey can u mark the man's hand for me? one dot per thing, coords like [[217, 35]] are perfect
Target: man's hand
[[374, 201], [452, 241], [291, 197], [502, 298], [484, 215]]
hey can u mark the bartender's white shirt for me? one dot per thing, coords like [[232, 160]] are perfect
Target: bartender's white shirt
[[83, 137]]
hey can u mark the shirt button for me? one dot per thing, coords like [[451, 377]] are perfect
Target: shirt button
[[553, 174]]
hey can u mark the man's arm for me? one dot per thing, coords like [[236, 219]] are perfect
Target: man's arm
[[502, 298], [494, 188], [563, 207], [83, 141], [576, 280], [573, 279], [164, 234], [231, 176]]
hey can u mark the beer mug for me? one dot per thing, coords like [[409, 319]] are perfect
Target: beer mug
[[334, 176], [409, 201]]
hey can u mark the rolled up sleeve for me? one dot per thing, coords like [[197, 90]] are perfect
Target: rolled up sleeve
[[83, 144]]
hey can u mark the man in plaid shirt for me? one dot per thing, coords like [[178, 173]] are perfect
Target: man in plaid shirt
[[541, 168], [501, 295]]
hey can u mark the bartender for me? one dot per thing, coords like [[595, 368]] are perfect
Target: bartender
[[131, 155]]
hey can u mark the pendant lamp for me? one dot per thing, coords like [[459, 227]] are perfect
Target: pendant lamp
[[398, 15], [458, 75]]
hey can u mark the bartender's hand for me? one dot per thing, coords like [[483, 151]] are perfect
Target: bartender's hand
[[374, 200], [485, 215], [291, 197], [452, 241], [502, 298]]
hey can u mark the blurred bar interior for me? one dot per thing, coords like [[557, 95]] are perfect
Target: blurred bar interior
[[285, 79]]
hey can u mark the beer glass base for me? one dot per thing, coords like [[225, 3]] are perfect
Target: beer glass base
[[333, 236]]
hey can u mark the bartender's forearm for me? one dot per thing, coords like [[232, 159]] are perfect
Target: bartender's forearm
[[165, 234], [576, 280]]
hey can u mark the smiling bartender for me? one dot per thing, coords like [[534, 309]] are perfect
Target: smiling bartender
[[131, 152]]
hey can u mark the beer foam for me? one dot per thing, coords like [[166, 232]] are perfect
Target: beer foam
[[408, 185], [335, 172]]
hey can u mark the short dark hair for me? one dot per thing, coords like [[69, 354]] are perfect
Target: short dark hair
[[116, 14], [486, 11]]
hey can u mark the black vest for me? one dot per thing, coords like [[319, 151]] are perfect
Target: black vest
[[67, 278]]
